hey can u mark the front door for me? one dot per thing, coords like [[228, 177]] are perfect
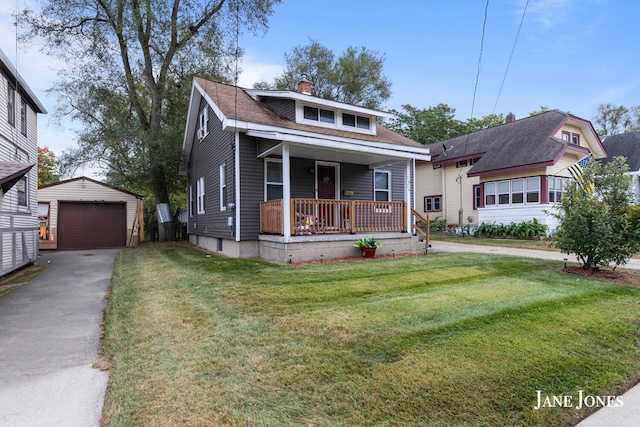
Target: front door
[[326, 182]]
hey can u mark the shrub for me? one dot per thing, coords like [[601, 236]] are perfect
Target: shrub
[[521, 230]]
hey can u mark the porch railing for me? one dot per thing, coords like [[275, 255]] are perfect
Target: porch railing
[[309, 216]]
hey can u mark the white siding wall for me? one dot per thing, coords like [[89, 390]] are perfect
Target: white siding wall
[[81, 190], [509, 214], [18, 224]]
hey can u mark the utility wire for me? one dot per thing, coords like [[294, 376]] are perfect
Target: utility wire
[[513, 49]]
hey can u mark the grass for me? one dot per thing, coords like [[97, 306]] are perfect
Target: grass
[[446, 339], [13, 280]]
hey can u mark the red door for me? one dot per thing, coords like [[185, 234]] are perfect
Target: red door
[[326, 182], [326, 191]]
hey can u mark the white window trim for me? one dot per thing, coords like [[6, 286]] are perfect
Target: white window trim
[[223, 186], [337, 124], [200, 208], [388, 190], [268, 183], [203, 123], [433, 203], [190, 200]]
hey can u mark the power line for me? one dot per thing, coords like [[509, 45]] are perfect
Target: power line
[[510, 56]]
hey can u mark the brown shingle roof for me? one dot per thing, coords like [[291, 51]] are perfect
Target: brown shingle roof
[[237, 104]]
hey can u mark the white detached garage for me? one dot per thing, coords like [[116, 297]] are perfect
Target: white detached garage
[[82, 213]]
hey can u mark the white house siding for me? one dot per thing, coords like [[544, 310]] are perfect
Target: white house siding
[[86, 190], [18, 224], [517, 214]]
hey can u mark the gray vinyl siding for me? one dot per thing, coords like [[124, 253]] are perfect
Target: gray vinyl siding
[[286, 107], [397, 181], [356, 178], [206, 158], [264, 145], [251, 188], [303, 177]]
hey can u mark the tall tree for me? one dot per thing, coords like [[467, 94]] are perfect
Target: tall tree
[[125, 60], [613, 119], [47, 167], [356, 77], [437, 123]]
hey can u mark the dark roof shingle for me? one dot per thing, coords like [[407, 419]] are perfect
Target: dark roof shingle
[[624, 144]]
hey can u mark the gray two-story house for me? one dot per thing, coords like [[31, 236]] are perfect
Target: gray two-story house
[[287, 176]]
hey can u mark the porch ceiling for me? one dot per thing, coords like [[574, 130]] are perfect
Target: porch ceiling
[[343, 156]]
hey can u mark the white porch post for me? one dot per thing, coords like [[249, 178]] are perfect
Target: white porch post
[[286, 191], [407, 191]]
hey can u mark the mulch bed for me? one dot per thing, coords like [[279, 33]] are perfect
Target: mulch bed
[[602, 274]]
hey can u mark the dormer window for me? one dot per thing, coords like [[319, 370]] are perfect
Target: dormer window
[[352, 120], [319, 114]]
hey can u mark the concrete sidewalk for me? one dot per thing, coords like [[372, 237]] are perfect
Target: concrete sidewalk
[[499, 250], [627, 415], [49, 337]]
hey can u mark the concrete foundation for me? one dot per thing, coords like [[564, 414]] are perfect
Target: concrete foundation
[[309, 248]]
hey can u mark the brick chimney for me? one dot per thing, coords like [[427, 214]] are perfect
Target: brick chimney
[[510, 118], [304, 86]]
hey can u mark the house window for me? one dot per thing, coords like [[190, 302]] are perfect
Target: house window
[[362, 122], [566, 136], [11, 105], [503, 193], [575, 139], [517, 191], [203, 129], [273, 180], [353, 121], [489, 193], [477, 197], [433, 204], [557, 187], [474, 161], [461, 163], [200, 195], [23, 117], [319, 114], [191, 201], [533, 190], [223, 187], [512, 192], [382, 187], [43, 221], [21, 186]]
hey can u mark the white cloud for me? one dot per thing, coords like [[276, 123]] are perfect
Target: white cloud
[[549, 12], [254, 71]]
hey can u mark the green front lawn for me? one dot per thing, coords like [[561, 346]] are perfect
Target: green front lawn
[[444, 339]]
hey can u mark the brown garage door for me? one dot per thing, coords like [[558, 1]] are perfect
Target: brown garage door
[[92, 225]]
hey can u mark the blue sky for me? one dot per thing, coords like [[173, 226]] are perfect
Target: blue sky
[[571, 54]]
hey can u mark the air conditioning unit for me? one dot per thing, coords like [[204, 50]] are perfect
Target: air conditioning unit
[[201, 133]]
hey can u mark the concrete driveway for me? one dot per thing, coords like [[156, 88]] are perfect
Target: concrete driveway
[[49, 337]]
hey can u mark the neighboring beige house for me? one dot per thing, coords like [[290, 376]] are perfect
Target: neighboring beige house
[[19, 109], [508, 173], [82, 213]]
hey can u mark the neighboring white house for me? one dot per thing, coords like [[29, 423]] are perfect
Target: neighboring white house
[[82, 213], [19, 109]]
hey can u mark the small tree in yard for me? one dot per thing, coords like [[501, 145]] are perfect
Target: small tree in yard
[[599, 225]]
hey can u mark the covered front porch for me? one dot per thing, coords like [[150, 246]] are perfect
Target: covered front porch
[[307, 217]]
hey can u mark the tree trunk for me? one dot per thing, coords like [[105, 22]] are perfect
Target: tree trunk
[[166, 230]]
